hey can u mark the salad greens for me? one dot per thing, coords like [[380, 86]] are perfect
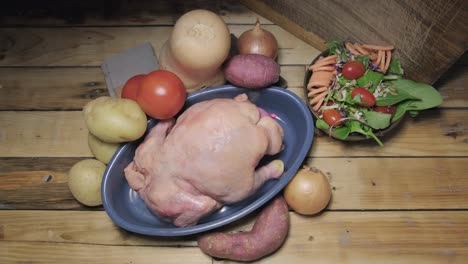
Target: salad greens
[[390, 89]]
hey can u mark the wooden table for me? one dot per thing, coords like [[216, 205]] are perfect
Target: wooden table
[[406, 202]]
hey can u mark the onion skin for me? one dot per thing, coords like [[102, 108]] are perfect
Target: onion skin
[[309, 192], [258, 41]]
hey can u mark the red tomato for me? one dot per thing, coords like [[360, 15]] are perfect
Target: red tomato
[[130, 89], [353, 70], [391, 109], [367, 98], [332, 117], [161, 94]]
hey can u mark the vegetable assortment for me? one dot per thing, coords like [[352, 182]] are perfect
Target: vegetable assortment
[[361, 89]]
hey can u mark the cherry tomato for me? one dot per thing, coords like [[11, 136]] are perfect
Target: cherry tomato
[[353, 70], [391, 109], [162, 94], [130, 88], [367, 98], [332, 117]]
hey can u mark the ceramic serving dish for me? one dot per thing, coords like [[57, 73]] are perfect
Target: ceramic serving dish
[[128, 210]]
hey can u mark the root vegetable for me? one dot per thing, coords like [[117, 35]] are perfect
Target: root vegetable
[[252, 71], [103, 151], [267, 235], [258, 41], [84, 181], [309, 192], [196, 49], [115, 120]]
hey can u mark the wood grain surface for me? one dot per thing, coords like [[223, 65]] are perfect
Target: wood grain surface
[[401, 203], [429, 36]]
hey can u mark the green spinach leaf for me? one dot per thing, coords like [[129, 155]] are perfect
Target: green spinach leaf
[[377, 120], [333, 46], [341, 132], [395, 67], [357, 127], [370, 79], [321, 124], [391, 99], [400, 110], [428, 96], [364, 60]]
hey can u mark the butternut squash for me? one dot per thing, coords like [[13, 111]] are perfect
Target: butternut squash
[[196, 49]]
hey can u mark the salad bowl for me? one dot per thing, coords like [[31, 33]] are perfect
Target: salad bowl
[[353, 136]]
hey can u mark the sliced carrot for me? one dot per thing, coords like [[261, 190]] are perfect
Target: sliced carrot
[[317, 90], [322, 75], [317, 98], [382, 61], [312, 85], [379, 58], [324, 61], [361, 49], [377, 47], [351, 48], [389, 58], [324, 68], [373, 56], [318, 104]]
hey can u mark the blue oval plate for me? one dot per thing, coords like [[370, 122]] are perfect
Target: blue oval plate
[[128, 210]]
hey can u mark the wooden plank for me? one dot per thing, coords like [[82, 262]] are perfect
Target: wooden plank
[[43, 134], [358, 183], [49, 253], [331, 237], [120, 12], [453, 86], [418, 28], [64, 134], [375, 237], [71, 88], [395, 183], [433, 132], [89, 46], [37, 183], [50, 88], [77, 227]]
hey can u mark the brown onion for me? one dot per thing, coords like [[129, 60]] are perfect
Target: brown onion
[[258, 41], [309, 192]]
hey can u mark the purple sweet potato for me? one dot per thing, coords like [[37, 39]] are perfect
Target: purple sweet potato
[[267, 235], [252, 71]]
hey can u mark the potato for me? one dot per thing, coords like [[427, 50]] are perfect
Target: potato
[[267, 235], [115, 120], [252, 71], [84, 181], [103, 151]]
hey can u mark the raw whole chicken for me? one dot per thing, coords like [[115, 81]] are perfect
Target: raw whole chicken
[[185, 170]]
